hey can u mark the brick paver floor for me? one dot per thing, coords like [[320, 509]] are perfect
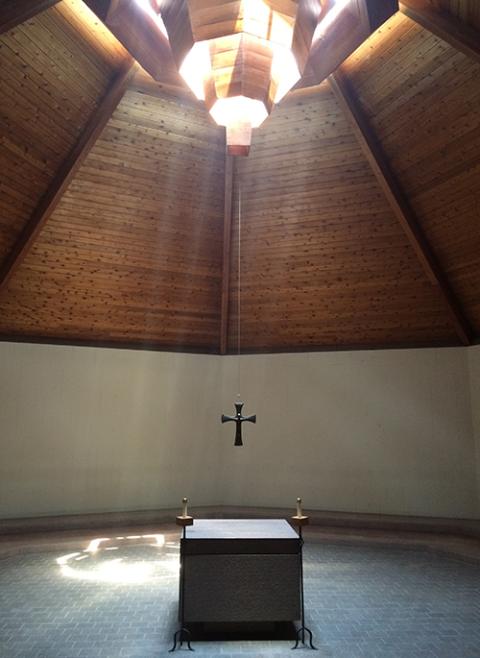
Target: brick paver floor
[[120, 602]]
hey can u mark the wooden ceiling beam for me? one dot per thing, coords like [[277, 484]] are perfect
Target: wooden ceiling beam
[[15, 12], [343, 27], [399, 202], [170, 86], [67, 171], [444, 25], [227, 240], [140, 32]]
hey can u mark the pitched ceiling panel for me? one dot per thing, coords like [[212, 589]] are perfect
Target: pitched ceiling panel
[[133, 252], [53, 70], [323, 260], [422, 99]]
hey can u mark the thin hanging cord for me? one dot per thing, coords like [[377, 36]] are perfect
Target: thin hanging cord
[[239, 282]]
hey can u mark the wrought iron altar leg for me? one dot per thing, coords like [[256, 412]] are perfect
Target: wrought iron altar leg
[[300, 638], [302, 631], [179, 639], [183, 634]]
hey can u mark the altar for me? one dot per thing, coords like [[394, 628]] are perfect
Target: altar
[[240, 571]]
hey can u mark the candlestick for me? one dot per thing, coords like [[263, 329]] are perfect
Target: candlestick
[[183, 634], [183, 519], [301, 520]]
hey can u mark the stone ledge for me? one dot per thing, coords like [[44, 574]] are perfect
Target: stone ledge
[[325, 519], [454, 538]]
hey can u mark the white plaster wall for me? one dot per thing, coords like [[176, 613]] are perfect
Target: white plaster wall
[[87, 429], [373, 431], [474, 368]]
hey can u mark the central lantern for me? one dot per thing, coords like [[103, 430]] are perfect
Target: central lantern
[[240, 56]]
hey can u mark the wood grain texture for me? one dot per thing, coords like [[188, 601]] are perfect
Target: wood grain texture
[[134, 250], [352, 23], [133, 254], [140, 32], [422, 98], [15, 12], [444, 23], [54, 69], [227, 238], [171, 85], [66, 173], [324, 260], [398, 202]]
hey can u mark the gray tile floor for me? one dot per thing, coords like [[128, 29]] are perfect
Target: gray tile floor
[[120, 602]]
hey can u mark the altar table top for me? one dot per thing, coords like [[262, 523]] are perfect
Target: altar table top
[[241, 529], [228, 536]]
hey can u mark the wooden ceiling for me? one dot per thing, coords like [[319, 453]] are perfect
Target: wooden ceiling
[[54, 69], [360, 200], [324, 260]]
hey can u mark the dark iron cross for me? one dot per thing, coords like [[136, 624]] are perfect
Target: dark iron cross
[[239, 419]]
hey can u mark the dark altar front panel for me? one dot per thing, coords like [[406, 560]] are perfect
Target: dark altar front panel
[[241, 571]]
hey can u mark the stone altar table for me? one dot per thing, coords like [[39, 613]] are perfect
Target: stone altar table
[[241, 571]]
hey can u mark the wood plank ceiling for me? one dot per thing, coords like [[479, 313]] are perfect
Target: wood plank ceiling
[[427, 119], [53, 71], [134, 253], [324, 260]]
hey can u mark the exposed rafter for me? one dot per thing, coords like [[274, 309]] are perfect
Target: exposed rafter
[[227, 237], [139, 32], [67, 171], [444, 25], [14, 12], [346, 27], [399, 202]]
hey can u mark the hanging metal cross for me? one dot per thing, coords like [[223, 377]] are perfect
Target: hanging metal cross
[[239, 419]]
